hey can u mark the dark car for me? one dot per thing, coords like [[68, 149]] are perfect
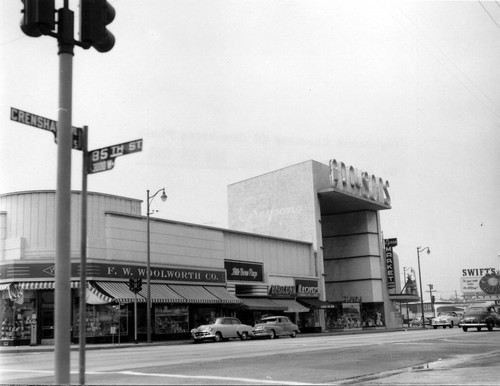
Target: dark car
[[479, 316], [274, 326]]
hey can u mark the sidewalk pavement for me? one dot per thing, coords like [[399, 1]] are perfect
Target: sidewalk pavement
[[105, 346]]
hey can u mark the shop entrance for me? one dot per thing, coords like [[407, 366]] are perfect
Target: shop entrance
[[47, 316]]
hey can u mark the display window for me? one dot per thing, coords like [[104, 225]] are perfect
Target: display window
[[171, 319], [102, 321], [372, 315], [18, 314], [355, 315], [204, 315]]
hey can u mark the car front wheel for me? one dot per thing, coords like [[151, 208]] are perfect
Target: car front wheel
[[293, 334], [218, 337], [272, 335], [464, 328]]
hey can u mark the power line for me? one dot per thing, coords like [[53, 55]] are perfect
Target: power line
[[491, 17]]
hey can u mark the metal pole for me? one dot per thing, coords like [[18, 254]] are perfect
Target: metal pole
[[135, 317], [148, 275], [83, 257], [421, 293], [62, 318]]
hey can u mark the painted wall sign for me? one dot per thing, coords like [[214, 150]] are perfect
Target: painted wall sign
[[241, 271], [106, 271], [307, 288], [356, 182]]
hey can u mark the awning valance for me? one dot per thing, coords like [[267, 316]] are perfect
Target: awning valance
[[316, 303], [37, 285], [223, 294], [291, 305], [261, 304], [404, 298], [94, 296], [194, 294]]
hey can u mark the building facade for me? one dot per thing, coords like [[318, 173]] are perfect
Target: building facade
[[196, 271]]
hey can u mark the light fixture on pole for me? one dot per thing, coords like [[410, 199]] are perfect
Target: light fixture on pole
[[419, 249], [148, 267]]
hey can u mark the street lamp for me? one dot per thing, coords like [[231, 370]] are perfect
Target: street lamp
[[419, 249], [148, 268]]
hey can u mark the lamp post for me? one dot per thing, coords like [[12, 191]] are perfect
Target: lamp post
[[148, 265], [419, 249]]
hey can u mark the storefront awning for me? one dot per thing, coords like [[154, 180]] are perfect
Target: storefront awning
[[223, 294], [291, 305], [94, 296], [316, 303], [194, 294], [261, 304], [37, 285], [161, 293], [119, 291], [404, 298]]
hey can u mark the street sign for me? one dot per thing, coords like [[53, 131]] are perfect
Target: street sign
[[43, 123], [100, 160]]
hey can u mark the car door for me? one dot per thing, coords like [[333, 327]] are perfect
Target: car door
[[287, 325]]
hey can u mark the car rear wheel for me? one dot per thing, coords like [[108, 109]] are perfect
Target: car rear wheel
[[435, 327], [451, 325], [465, 329], [272, 334], [489, 326], [244, 335], [218, 337], [293, 334], [478, 328]]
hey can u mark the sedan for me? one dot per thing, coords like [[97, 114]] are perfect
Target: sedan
[[480, 316], [221, 329], [444, 319], [273, 326]]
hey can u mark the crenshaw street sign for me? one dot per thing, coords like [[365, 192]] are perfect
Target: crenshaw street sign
[[43, 123]]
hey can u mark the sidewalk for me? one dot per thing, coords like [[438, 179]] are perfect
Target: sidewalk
[[106, 346]]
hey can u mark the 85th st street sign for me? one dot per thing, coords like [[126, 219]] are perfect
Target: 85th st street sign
[[103, 159]]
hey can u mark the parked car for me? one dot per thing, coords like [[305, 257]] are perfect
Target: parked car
[[220, 329], [445, 319], [273, 326], [479, 316], [417, 321]]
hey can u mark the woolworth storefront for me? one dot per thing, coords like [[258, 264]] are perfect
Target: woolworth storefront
[[197, 272]]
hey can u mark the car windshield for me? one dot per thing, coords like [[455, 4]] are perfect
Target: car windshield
[[445, 314]]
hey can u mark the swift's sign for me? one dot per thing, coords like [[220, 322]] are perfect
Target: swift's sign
[[100, 160], [43, 123]]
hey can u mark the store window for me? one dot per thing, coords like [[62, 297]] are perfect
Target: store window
[[171, 319], [17, 314], [102, 320], [203, 315], [372, 315]]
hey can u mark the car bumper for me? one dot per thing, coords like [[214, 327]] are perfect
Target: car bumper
[[200, 335], [473, 325], [260, 334]]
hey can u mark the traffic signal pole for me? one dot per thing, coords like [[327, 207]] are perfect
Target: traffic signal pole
[[62, 305]]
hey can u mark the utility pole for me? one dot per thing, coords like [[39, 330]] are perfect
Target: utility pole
[[431, 287]]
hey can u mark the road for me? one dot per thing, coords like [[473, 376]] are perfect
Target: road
[[415, 356]]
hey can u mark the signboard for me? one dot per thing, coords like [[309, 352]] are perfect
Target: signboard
[[389, 262], [43, 123], [307, 288], [100, 160], [240, 271], [391, 242]]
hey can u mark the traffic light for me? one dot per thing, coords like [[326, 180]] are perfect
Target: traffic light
[[433, 299], [95, 16], [38, 17], [131, 284], [138, 286]]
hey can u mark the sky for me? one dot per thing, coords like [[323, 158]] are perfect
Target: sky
[[221, 91]]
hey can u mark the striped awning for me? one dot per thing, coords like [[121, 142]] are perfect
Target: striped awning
[[37, 285], [94, 296], [262, 304], [161, 293], [223, 294], [291, 305], [118, 291], [194, 294]]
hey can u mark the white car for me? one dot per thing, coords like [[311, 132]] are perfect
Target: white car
[[444, 319], [221, 329]]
